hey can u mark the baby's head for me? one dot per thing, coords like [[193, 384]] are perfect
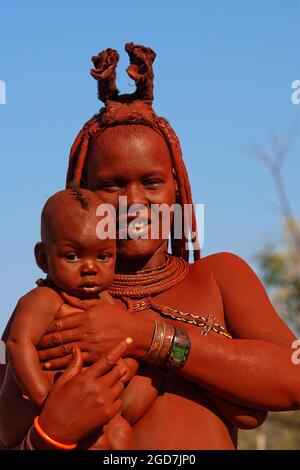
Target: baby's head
[[70, 252]]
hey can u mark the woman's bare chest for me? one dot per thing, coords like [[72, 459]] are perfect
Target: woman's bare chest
[[187, 303]]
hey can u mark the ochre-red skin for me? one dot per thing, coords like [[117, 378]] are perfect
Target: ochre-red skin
[[224, 383], [71, 254]]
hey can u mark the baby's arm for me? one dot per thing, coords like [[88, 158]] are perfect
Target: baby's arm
[[33, 314], [137, 398], [140, 392], [16, 413]]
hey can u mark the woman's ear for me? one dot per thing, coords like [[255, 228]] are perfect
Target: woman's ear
[[40, 254]]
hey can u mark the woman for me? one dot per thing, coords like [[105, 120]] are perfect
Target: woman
[[214, 384]]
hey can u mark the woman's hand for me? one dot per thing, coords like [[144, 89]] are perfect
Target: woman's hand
[[128, 368], [81, 401], [94, 331]]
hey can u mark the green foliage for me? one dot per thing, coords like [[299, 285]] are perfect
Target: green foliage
[[272, 267], [279, 269], [280, 273], [279, 432]]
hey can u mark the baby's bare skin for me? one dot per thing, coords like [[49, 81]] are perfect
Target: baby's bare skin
[[137, 396], [223, 382], [186, 404]]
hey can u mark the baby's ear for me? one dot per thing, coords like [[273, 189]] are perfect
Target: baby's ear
[[40, 254]]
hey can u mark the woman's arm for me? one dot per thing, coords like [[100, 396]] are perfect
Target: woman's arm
[[251, 373], [255, 371], [239, 416]]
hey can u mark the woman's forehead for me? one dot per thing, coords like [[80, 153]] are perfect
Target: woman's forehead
[[128, 145]]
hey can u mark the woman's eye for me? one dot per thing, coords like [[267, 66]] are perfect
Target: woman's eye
[[72, 257], [152, 182]]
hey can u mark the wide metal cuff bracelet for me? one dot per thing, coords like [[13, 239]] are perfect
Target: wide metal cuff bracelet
[[180, 349]]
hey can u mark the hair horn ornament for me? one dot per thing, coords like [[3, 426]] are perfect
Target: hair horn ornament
[[140, 70]]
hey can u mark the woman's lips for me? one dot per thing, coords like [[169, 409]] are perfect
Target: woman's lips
[[139, 225], [133, 228]]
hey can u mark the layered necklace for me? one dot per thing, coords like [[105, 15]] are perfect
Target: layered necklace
[[137, 289], [150, 281]]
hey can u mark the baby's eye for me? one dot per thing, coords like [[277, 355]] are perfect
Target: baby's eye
[[110, 186], [104, 256], [72, 257]]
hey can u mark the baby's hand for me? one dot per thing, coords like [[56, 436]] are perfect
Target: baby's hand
[[128, 368]]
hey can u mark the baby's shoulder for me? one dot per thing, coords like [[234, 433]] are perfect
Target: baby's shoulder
[[41, 294], [30, 305]]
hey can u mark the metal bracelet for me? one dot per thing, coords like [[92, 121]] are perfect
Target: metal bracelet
[[166, 345], [180, 349], [27, 443], [150, 352], [161, 343]]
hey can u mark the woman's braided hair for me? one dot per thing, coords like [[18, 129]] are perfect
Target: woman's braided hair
[[135, 108]]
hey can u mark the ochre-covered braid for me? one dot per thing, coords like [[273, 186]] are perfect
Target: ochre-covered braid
[[135, 108]]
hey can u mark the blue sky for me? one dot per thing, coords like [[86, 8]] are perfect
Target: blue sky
[[223, 78]]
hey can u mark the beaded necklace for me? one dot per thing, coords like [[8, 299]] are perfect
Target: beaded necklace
[[137, 289]]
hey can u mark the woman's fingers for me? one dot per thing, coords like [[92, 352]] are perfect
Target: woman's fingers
[[116, 390], [73, 368], [110, 378], [67, 323], [59, 337], [56, 353], [62, 363], [106, 362], [116, 407], [58, 364]]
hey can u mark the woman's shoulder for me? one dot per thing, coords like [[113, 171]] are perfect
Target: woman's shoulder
[[226, 268], [223, 260]]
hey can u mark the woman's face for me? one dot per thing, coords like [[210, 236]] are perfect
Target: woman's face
[[133, 161]]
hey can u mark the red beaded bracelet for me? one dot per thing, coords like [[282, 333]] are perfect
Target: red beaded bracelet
[[49, 439]]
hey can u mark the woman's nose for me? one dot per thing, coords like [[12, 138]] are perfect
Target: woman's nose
[[135, 194], [89, 267]]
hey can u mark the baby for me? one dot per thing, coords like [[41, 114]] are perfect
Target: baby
[[79, 267]]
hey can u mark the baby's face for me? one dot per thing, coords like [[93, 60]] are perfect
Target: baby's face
[[78, 261]]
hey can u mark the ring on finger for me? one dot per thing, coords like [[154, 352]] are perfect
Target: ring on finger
[[58, 325], [56, 339]]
